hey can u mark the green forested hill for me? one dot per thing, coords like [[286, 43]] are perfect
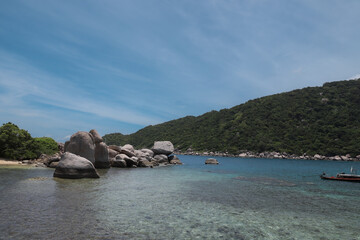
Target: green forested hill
[[324, 120]]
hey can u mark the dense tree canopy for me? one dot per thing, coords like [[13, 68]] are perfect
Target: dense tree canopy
[[16, 143], [324, 120]]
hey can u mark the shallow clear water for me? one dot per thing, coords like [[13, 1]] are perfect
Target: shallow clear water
[[238, 199]]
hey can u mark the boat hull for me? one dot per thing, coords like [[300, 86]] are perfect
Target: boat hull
[[341, 179]]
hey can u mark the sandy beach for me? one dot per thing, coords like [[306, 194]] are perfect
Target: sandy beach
[[9, 162]]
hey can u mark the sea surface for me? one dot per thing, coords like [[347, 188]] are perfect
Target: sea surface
[[238, 199]]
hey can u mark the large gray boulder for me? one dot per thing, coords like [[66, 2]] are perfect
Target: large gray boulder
[[82, 144], [101, 156], [128, 147], [74, 166], [163, 147], [128, 150], [96, 135], [112, 153]]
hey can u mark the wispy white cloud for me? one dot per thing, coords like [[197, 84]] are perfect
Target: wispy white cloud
[[144, 63], [19, 80]]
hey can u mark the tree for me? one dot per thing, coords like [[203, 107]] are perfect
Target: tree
[[16, 143]]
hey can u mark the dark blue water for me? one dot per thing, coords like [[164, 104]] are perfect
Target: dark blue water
[[238, 199]]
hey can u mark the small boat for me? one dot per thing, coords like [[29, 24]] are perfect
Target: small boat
[[350, 177]]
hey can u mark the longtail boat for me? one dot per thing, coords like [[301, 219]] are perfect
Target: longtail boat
[[350, 177]]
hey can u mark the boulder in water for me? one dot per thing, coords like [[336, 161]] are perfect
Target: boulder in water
[[74, 166], [211, 161], [174, 160]]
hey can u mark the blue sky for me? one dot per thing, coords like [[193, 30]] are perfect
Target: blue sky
[[118, 66]]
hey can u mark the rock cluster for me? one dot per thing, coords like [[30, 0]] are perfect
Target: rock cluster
[[126, 156], [89, 145], [85, 152]]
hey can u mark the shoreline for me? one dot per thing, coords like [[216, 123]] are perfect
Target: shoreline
[[265, 155], [8, 162], [273, 155]]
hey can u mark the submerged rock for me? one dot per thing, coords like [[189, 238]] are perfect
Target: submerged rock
[[211, 161], [74, 166]]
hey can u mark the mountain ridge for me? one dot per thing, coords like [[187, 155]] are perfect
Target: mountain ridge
[[324, 120]]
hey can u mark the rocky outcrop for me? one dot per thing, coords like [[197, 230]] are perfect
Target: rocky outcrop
[[115, 148], [161, 158], [211, 161], [61, 147], [48, 159], [143, 162], [96, 136], [89, 145], [128, 150], [163, 147], [120, 163], [53, 165], [112, 153], [101, 156], [74, 166], [130, 161], [147, 152], [82, 144], [174, 160]]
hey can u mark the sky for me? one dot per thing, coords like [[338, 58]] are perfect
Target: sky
[[118, 65]]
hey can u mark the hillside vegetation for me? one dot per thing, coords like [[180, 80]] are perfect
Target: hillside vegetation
[[323, 120]]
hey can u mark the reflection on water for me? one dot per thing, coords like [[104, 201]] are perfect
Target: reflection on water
[[238, 199]]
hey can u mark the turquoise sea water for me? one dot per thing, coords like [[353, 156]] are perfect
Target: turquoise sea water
[[238, 199]]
